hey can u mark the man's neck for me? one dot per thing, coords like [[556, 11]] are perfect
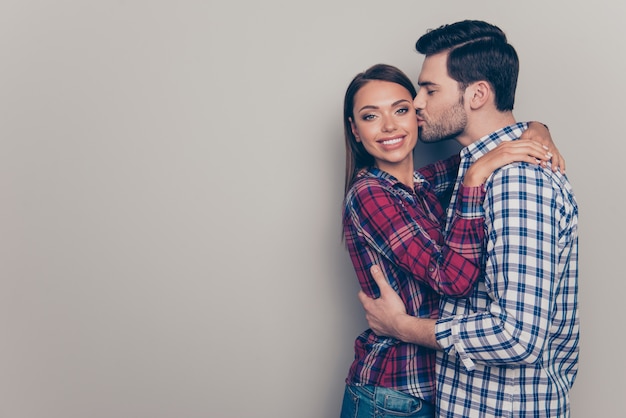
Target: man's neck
[[481, 125]]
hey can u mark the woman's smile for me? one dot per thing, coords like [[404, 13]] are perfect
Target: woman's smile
[[390, 142]]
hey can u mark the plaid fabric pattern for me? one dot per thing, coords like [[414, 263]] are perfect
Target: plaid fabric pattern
[[511, 346], [400, 229]]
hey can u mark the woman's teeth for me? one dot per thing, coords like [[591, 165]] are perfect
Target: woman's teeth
[[392, 141]]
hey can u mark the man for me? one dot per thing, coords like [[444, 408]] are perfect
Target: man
[[510, 348]]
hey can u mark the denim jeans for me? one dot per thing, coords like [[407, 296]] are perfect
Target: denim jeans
[[378, 402]]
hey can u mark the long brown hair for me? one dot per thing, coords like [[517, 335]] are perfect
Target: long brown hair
[[356, 155]]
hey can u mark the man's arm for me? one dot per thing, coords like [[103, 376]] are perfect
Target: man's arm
[[521, 274], [387, 316]]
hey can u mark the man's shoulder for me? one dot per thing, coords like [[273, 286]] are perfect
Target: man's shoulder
[[521, 171], [521, 180]]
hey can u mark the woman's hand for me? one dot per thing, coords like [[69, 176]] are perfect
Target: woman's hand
[[537, 131], [505, 153]]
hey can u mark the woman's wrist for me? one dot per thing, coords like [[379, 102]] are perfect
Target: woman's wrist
[[474, 178]]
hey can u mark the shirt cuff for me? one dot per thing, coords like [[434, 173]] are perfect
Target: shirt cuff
[[470, 202], [447, 333], [443, 333]]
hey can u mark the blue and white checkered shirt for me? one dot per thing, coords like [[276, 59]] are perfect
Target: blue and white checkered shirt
[[511, 346]]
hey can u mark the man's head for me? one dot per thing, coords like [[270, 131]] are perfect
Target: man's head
[[463, 59]]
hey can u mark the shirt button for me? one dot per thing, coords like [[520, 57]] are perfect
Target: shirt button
[[431, 269]]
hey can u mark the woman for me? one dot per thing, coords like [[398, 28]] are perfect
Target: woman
[[393, 218]]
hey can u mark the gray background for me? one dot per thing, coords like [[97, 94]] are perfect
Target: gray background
[[171, 179]]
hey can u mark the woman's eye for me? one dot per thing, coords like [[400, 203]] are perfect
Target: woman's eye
[[368, 117], [403, 110]]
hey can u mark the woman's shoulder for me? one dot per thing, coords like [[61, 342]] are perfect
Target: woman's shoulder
[[371, 178]]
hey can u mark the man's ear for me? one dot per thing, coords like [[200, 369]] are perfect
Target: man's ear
[[478, 94], [355, 132]]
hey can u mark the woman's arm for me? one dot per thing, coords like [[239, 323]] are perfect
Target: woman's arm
[[442, 175], [505, 153], [415, 244]]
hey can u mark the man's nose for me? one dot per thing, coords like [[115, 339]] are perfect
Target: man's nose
[[418, 102]]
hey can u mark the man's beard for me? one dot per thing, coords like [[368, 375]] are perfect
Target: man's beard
[[449, 125]]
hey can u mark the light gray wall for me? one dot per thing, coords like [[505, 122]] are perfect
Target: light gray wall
[[170, 187]]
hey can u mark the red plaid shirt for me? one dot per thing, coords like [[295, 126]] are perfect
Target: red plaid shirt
[[400, 229]]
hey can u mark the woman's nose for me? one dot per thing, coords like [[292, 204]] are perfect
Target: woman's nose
[[389, 124]]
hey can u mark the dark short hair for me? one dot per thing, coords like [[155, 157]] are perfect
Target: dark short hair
[[356, 155], [477, 51]]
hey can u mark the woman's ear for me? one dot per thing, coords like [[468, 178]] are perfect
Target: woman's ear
[[355, 131]]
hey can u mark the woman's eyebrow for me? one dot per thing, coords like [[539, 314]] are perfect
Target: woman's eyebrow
[[377, 107]]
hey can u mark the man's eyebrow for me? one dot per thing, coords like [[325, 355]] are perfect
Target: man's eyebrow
[[426, 83]]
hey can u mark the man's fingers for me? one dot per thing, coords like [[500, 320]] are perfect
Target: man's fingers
[[363, 297], [377, 274], [380, 279]]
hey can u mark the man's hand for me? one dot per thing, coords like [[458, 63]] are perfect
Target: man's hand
[[387, 316], [382, 313]]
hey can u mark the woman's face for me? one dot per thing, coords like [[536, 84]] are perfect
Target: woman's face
[[386, 124]]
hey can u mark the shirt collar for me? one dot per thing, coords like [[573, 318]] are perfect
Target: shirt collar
[[488, 142], [388, 178]]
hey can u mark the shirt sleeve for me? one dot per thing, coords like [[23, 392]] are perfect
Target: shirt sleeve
[[519, 282], [442, 175], [449, 267]]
